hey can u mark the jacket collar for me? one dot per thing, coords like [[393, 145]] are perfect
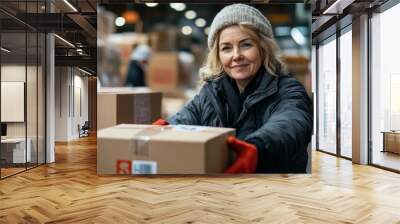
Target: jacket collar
[[268, 85]]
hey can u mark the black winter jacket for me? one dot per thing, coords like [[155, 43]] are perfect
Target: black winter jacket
[[276, 117]]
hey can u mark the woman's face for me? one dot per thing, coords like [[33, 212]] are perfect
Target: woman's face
[[239, 55]]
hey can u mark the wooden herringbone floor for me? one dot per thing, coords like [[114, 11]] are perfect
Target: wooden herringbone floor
[[69, 191]]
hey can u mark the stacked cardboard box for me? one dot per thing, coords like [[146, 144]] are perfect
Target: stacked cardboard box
[[164, 38], [150, 149], [163, 72], [127, 105], [167, 73]]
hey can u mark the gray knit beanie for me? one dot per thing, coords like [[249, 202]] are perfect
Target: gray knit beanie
[[235, 14]]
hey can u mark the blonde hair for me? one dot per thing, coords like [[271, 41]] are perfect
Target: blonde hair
[[269, 52]]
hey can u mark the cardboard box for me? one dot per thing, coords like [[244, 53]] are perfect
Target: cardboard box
[[163, 71], [149, 149], [166, 73], [164, 38], [299, 67], [127, 105]]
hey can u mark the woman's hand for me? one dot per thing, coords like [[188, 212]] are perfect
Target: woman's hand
[[246, 156], [160, 122]]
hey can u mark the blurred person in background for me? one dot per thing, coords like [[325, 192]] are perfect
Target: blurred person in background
[[246, 87], [137, 66]]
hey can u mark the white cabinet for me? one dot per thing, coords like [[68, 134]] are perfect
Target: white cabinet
[[15, 148]]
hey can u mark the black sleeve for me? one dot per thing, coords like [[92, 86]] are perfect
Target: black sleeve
[[282, 141], [190, 114]]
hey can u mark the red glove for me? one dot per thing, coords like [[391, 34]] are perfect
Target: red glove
[[246, 156], [160, 122]]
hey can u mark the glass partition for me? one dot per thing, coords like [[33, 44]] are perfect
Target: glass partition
[[22, 79], [14, 144]]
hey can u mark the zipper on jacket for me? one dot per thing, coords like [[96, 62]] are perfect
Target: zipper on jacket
[[217, 105], [246, 105]]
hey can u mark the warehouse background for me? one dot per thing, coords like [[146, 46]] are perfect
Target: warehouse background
[[177, 35]]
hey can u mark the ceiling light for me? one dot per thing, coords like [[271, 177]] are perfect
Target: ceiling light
[[70, 5], [200, 22], [64, 40], [178, 6], [297, 36], [5, 49], [151, 4], [190, 14], [187, 30], [207, 30], [119, 21]]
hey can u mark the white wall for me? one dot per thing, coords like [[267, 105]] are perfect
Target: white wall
[[71, 94], [13, 73], [61, 103], [81, 82], [16, 73]]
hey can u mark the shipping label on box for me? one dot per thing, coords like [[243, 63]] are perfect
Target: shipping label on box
[[136, 167]]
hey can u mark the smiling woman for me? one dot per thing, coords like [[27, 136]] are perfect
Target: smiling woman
[[246, 87]]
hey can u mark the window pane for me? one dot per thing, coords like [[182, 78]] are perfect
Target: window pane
[[346, 94], [327, 97], [313, 80], [385, 88]]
